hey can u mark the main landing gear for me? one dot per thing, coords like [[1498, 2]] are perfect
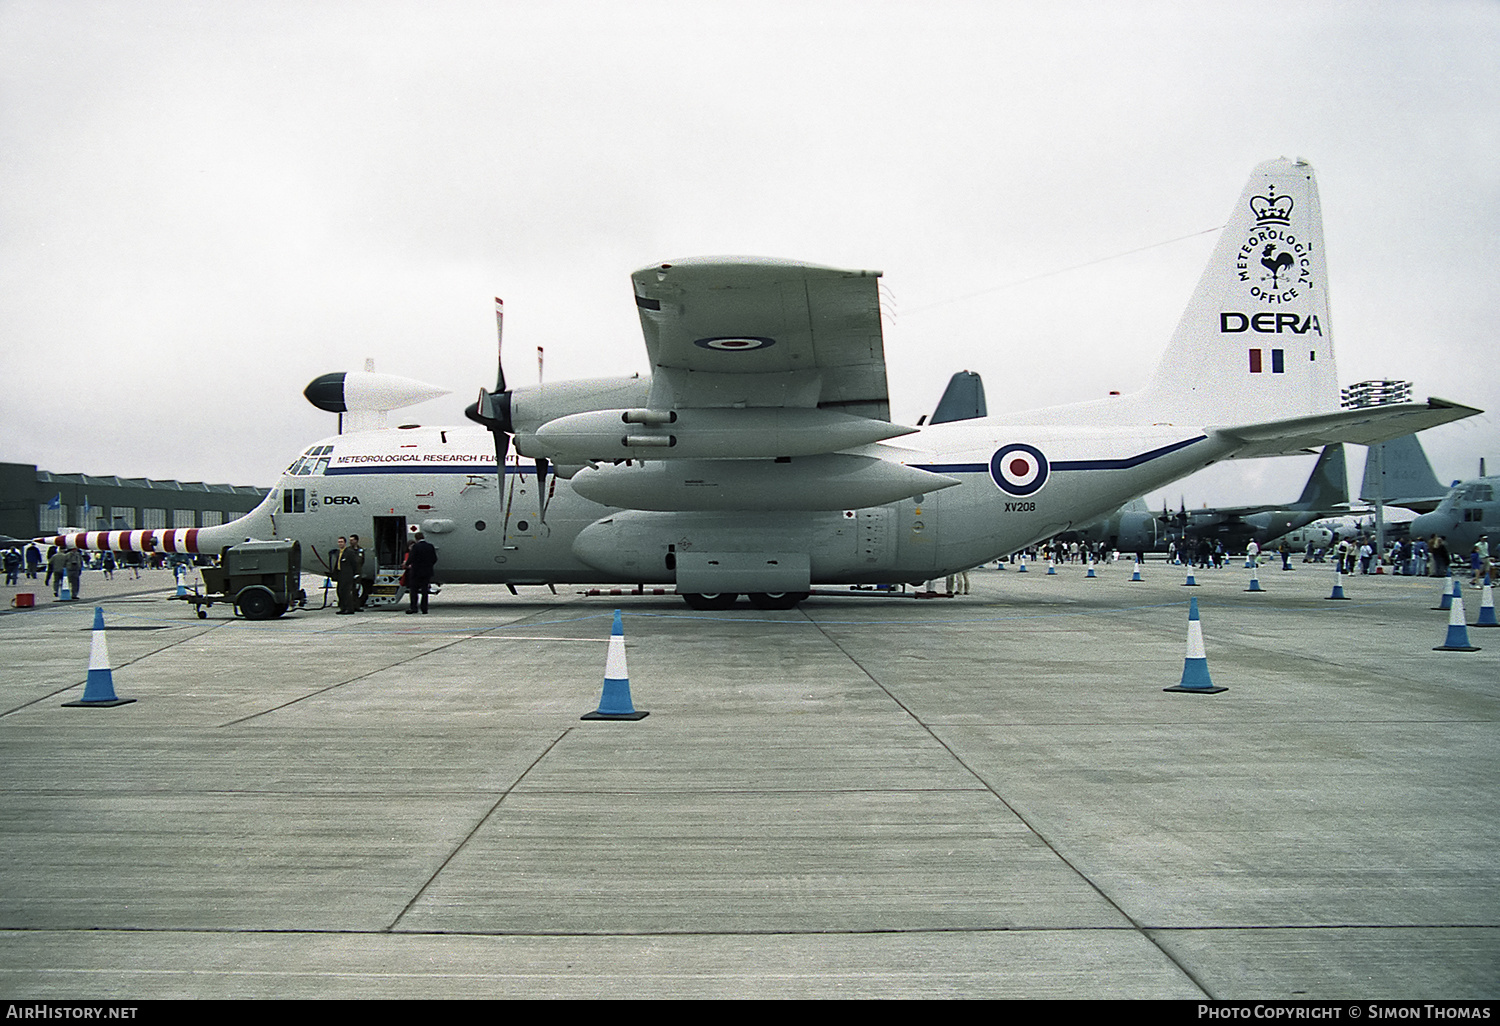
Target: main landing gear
[[759, 599]]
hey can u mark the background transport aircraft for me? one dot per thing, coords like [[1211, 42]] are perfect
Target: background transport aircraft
[[759, 458], [1398, 473], [1467, 511], [1134, 528]]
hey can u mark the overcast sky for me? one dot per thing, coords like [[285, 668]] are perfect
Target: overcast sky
[[203, 206]]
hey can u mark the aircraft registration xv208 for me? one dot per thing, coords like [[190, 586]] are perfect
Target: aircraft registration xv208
[[759, 458]]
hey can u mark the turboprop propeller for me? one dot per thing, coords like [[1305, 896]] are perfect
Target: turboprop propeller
[[493, 410]]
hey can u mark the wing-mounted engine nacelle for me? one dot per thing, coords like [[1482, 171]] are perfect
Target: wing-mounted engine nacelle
[[521, 411], [768, 432]]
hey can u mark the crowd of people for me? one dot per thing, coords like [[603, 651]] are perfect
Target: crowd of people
[[1353, 554]]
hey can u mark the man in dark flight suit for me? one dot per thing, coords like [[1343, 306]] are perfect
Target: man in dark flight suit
[[421, 559], [345, 569]]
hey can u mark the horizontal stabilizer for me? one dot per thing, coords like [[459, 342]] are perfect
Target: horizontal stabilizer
[[1369, 425]]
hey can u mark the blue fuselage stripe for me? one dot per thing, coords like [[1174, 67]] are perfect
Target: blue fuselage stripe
[[1129, 461], [420, 468], [1120, 464]]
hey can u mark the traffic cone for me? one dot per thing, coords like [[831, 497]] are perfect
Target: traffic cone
[[1051, 567], [1195, 679], [1191, 581], [65, 593], [99, 691], [614, 704], [1135, 574], [1091, 569], [1022, 568], [180, 572], [1254, 579], [1446, 600], [1458, 630], [1338, 585], [1487, 606]]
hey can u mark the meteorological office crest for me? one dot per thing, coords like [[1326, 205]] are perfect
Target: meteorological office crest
[[1274, 264]]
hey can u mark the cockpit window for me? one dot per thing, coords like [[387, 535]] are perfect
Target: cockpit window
[[311, 463]]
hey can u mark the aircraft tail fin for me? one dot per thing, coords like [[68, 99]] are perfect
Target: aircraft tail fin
[[1399, 469], [1328, 486], [963, 399], [1255, 343]]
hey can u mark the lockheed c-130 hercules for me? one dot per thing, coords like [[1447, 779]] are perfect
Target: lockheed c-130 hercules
[[759, 457]]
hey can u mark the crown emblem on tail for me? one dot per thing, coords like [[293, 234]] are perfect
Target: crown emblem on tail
[[1272, 209]]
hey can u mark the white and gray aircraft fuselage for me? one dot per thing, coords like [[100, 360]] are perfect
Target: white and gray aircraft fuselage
[[442, 480], [758, 456]]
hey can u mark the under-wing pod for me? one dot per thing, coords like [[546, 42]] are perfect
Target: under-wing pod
[[826, 481], [762, 432]]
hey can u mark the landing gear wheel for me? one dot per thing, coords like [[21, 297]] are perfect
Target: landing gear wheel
[[777, 599], [256, 603], [712, 600]]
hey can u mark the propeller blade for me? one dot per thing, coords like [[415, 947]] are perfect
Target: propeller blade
[[499, 344], [541, 487], [502, 450]]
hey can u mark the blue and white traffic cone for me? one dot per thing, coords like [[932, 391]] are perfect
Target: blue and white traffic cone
[[1091, 569], [1135, 575], [1487, 605], [65, 593], [1458, 630], [1191, 582], [1338, 585], [180, 572], [1022, 568], [1445, 602], [99, 690], [1254, 579], [1195, 679], [1051, 567], [614, 704]]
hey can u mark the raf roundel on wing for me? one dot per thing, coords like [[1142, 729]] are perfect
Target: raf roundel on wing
[[735, 343], [1019, 469]]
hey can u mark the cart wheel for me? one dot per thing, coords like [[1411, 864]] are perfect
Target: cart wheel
[[256, 603], [203, 614]]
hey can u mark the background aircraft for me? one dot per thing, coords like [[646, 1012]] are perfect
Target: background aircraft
[[1398, 473], [1134, 528], [1468, 510]]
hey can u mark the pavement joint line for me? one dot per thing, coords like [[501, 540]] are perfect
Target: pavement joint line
[[81, 683], [915, 931], [369, 673], [480, 823], [1104, 895]]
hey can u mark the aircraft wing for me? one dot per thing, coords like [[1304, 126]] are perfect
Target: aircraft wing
[[744, 332], [1368, 425]]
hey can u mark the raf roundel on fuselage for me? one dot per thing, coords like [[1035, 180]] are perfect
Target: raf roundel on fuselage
[[1019, 469]]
